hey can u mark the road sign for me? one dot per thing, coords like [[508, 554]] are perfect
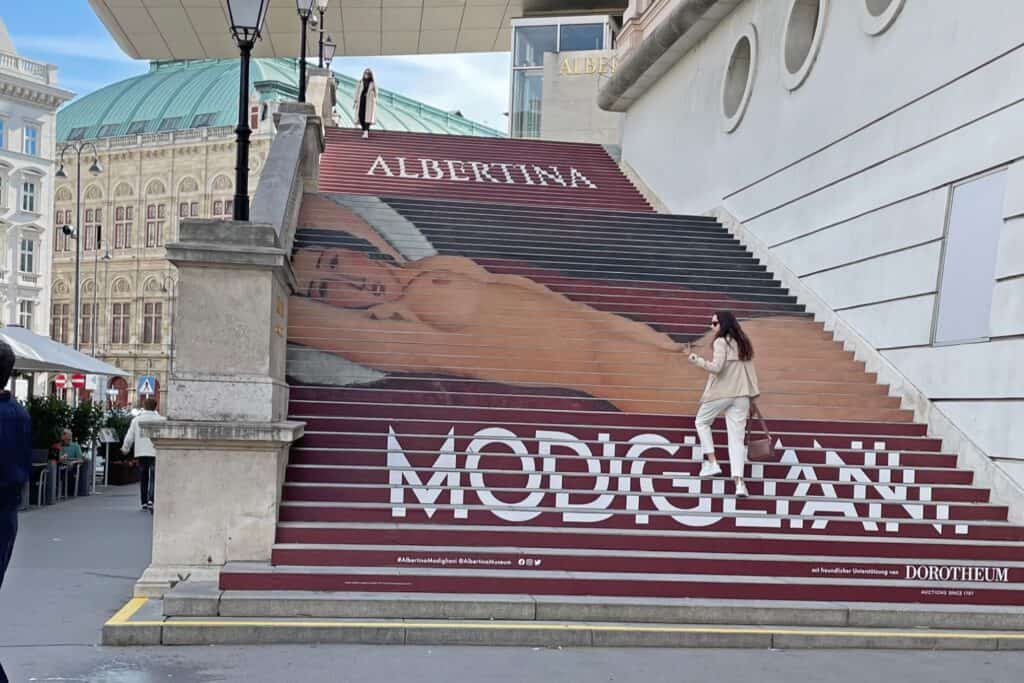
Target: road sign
[[92, 382], [60, 381], [78, 381], [146, 385]]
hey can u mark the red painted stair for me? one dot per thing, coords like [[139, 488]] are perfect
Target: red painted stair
[[494, 404]]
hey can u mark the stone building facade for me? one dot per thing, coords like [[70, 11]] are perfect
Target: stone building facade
[[29, 98], [166, 143], [130, 211]]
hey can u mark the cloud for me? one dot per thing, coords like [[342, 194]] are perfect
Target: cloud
[[82, 47]]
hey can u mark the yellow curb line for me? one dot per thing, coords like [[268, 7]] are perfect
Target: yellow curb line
[[124, 615], [127, 612]]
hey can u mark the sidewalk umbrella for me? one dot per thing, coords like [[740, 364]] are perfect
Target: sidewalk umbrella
[[36, 353]]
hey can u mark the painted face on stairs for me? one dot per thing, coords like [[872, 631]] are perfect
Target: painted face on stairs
[[346, 278]]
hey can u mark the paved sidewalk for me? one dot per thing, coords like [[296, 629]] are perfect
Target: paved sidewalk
[[75, 563]]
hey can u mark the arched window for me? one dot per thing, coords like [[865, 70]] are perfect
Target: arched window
[[223, 205], [120, 312], [124, 216], [156, 214]]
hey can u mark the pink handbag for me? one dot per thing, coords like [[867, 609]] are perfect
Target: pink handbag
[[759, 447]]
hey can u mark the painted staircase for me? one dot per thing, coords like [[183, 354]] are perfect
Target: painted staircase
[[485, 348]]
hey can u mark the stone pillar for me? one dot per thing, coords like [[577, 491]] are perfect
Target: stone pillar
[[222, 453], [322, 93]]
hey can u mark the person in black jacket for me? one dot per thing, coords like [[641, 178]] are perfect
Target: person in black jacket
[[15, 458], [15, 461]]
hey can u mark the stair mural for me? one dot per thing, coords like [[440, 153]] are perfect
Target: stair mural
[[498, 400]]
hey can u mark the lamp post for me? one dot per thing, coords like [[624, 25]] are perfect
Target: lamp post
[[168, 288], [322, 6], [95, 289], [247, 17], [305, 8], [94, 169]]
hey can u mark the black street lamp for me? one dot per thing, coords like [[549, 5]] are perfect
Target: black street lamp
[[322, 6], [329, 48], [94, 169], [247, 17], [96, 287], [305, 8]]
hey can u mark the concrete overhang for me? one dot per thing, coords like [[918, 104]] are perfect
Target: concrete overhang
[[684, 27], [198, 29]]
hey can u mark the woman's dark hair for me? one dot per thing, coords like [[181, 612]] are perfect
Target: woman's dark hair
[[367, 72], [729, 328]]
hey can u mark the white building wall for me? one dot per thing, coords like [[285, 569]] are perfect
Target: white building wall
[[28, 97], [846, 179]]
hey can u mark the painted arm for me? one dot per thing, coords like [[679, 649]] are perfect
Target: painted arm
[[387, 337]]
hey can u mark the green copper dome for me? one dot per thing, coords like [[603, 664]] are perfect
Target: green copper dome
[[180, 95]]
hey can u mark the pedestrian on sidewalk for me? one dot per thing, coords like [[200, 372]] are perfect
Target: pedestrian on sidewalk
[[145, 452], [15, 459], [732, 383], [365, 102]]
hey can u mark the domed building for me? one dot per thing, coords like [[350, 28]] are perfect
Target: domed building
[[166, 144]]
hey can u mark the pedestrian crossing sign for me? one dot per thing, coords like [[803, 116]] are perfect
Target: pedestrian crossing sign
[[147, 385]]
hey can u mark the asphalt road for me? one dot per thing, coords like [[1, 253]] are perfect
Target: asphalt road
[[75, 563]]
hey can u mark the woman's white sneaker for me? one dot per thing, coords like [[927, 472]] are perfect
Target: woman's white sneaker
[[741, 490], [709, 469]]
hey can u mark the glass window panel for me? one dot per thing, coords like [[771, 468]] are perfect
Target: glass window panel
[[137, 127], [577, 37], [526, 103], [172, 123], [969, 263], [532, 42]]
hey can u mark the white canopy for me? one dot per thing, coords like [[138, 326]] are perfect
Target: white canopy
[[36, 353]]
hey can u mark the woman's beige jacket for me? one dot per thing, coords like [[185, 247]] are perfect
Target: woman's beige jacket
[[371, 102], [729, 376]]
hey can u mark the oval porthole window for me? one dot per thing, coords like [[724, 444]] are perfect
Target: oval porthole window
[[879, 15], [802, 39], [738, 81]]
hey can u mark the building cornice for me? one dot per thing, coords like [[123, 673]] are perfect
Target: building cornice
[[27, 90], [680, 31]]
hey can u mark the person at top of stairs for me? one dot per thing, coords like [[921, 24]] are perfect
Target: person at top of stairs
[[732, 383], [365, 102]]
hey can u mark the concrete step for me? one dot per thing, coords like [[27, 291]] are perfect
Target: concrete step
[[911, 520], [498, 468], [854, 569], [316, 485], [800, 542], [437, 204], [208, 600], [364, 451], [417, 579], [842, 434], [201, 617], [625, 509]]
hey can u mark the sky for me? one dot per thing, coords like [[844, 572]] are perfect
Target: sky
[[68, 34]]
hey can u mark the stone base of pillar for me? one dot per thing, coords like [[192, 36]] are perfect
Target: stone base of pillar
[[218, 489]]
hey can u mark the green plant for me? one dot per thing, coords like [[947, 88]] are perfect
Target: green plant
[[50, 416], [86, 419]]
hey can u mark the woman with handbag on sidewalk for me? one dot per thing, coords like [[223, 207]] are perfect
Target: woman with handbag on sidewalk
[[731, 388]]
